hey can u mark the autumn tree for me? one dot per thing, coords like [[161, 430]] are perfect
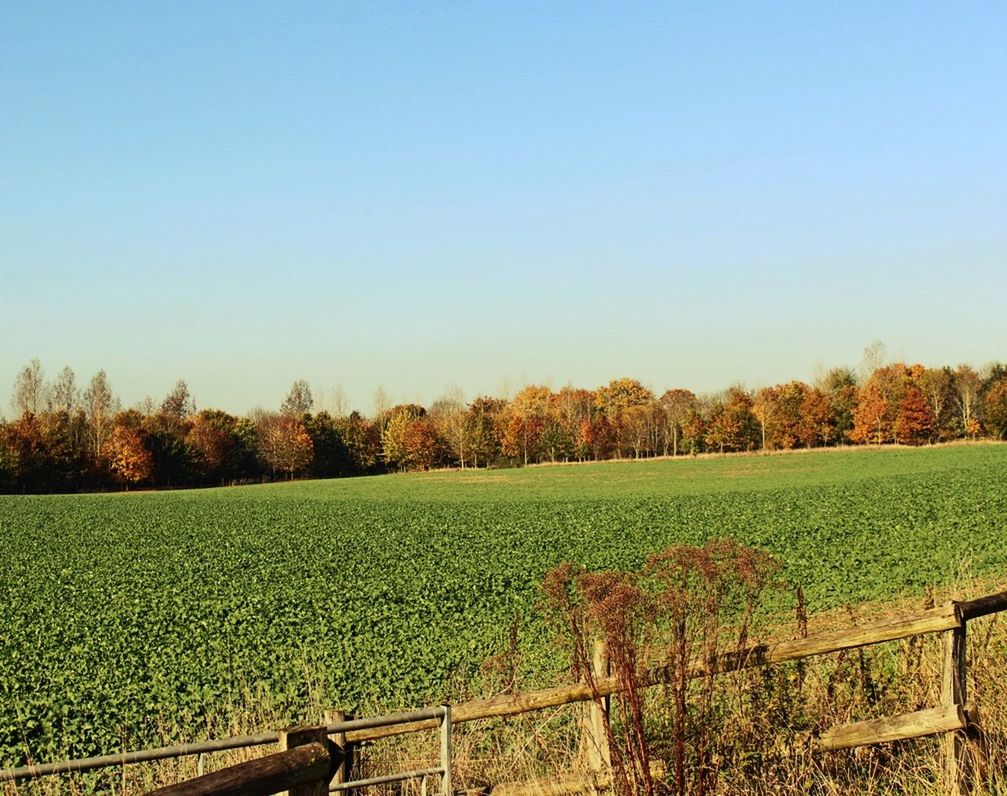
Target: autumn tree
[[524, 423], [995, 407], [779, 413], [642, 426], [521, 437], [765, 405], [731, 426], [817, 424], [362, 439], [451, 419], [678, 406], [596, 439], [423, 446], [484, 418], [212, 439], [615, 399], [8, 463], [569, 410], [283, 443], [26, 452], [878, 403], [129, 457], [937, 385], [694, 428], [841, 388], [394, 446], [787, 424], [914, 421]]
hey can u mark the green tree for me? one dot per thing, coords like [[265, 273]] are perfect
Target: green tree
[[330, 454]]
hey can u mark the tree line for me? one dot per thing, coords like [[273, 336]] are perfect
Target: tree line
[[66, 438]]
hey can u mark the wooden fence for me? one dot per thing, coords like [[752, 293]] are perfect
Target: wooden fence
[[313, 760]]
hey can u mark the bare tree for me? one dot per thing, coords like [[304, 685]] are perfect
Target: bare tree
[[968, 386], [145, 406], [64, 394], [100, 405], [381, 403], [298, 401], [178, 404], [335, 401], [29, 390], [873, 358]]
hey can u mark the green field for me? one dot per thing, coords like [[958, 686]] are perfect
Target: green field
[[128, 616]]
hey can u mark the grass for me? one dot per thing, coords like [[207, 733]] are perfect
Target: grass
[[138, 618]]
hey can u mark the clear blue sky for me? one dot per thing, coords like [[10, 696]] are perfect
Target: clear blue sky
[[418, 195]]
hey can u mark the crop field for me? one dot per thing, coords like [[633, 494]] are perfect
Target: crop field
[[130, 618]]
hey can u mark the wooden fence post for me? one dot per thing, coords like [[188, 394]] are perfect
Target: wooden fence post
[[599, 755], [293, 737], [954, 744], [344, 764]]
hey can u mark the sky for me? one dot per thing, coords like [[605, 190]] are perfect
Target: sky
[[484, 195]]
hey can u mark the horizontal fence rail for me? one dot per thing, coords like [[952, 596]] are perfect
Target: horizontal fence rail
[[203, 747], [141, 756], [950, 718]]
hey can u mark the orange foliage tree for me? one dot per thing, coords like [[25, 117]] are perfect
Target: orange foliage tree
[[211, 440], [616, 400], [422, 444], [914, 422], [817, 425], [129, 456], [877, 406], [996, 408]]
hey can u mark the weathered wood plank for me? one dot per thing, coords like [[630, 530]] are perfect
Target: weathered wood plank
[[294, 737], [343, 763], [594, 736], [983, 606], [267, 775], [953, 745], [893, 728]]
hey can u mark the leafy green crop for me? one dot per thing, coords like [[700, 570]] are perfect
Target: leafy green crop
[[126, 616]]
